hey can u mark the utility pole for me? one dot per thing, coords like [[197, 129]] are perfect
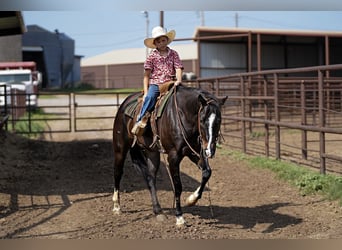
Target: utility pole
[[162, 18]]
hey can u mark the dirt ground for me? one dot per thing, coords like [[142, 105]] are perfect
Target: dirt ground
[[62, 189]]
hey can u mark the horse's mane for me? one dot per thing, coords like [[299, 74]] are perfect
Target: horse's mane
[[194, 93]]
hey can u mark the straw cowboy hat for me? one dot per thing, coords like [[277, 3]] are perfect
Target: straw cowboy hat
[[158, 32]]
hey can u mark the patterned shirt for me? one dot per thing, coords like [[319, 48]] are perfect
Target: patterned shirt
[[163, 68]]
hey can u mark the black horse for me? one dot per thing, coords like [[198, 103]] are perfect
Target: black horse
[[189, 126]]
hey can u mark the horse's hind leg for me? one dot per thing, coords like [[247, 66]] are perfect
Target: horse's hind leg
[[118, 171], [119, 159], [121, 148], [149, 165]]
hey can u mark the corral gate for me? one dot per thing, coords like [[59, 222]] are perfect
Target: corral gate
[[67, 112]]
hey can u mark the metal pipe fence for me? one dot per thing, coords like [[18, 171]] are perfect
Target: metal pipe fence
[[273, 113], [58, 112]]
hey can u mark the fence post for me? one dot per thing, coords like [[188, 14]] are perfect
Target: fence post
[[303, 120], [29, 112], [249, 106], [243, 114], [321, 122], [277, 117], [267, 126], [73, 111]]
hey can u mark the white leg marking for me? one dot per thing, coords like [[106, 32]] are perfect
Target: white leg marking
[[210, 130], [116, 200], [180, 221], [192, 199]]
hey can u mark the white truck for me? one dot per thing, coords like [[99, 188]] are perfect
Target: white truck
[[22, 76]]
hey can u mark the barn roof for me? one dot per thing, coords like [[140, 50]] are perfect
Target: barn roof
[[137, 55], [217, 31]]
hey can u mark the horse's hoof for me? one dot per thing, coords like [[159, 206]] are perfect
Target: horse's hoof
[[116, 211], [180, 222], [161, 218]]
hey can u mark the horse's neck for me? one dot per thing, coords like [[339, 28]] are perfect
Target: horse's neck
[[186, 104]]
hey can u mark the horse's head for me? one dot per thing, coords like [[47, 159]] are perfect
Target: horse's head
[[209, 119]]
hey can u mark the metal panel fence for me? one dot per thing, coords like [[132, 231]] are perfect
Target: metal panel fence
[[275, 114], [67, 112], [12, 104], [95, 111]]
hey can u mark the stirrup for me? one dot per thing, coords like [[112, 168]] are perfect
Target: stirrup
[[156, 143], [134, 141]]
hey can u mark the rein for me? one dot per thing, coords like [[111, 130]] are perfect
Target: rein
[[182, 127]]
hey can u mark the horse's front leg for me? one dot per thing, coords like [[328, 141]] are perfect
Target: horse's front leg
[[153, 162], [206, 173], [116, 201], [174, 162]]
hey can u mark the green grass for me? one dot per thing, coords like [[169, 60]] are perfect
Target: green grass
[[37, 125], [306, 180]]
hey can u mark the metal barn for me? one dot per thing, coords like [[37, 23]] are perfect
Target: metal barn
[[54, 54], [225, 51]]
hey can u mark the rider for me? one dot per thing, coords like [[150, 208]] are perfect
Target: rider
[[160, 67]]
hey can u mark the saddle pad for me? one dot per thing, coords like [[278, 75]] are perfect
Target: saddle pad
[[131, 107], [163, 102]]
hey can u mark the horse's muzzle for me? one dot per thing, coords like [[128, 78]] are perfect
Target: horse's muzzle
[[210, 151]]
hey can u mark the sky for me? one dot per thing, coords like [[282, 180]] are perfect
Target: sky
[[96, 32]]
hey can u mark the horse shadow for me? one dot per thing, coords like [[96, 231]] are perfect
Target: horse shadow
[[246, 217], [132, 179]]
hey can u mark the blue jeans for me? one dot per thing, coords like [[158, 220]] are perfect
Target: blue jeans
[[150, 100]]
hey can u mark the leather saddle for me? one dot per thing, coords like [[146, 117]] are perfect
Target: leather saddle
[[134, 108]]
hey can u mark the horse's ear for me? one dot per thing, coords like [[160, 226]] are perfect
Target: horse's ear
[[202, 100], [222, 100]]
